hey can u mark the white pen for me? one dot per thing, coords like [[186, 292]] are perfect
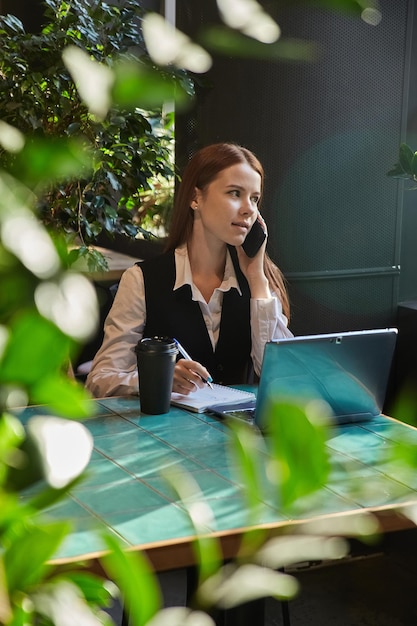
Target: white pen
[[186, 356]]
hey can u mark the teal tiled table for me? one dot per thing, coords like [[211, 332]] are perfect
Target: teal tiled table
[[125, 493]]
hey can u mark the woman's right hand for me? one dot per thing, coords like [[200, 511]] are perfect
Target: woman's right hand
[[188, 376]]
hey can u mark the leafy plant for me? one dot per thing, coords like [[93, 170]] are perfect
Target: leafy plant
[[406, 167], [131, 149]]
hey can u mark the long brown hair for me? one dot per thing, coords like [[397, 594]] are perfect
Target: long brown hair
[[201, 170]]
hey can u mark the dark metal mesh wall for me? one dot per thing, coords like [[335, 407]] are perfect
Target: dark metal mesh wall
[[344, 303], [327, 132]]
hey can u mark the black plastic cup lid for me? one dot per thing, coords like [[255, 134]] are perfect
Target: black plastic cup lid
[[156, 344]]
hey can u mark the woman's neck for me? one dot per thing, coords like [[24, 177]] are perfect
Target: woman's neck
[[207, 257], [207, 264]]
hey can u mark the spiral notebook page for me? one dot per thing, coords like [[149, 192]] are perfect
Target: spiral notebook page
[[202, 399]]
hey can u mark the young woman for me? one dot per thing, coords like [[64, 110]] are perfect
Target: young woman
[[219, 303]]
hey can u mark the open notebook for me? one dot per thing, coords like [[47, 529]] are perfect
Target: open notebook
[[348, 370], [203, 398]]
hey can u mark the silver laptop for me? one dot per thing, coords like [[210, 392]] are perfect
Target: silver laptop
[[348, 370]]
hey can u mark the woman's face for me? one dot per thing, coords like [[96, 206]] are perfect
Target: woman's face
[[228, 207]]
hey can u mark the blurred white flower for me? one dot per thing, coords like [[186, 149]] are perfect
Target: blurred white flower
[[25, 236], [167, 45], [93, 80], [249, 17], [70, 303], [11, 139], [65, 448]]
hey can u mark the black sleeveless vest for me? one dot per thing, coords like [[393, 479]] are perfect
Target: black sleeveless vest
[[175, 314]]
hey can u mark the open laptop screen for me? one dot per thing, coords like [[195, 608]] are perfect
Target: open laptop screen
[[348, 370]]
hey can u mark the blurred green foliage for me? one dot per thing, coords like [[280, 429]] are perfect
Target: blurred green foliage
[[82, 174]]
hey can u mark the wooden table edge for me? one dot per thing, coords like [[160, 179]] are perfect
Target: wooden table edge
[[179, 553]]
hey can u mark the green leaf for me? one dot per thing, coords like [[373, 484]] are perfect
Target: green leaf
[[42, 161], [74, 128], [40, 542], [54, 600], [10, 511], [14, 24], [414, 166], [356, 7], [28, 470], [11, 435], [297, 442], [406, 157], [62, 394], [397, 172], [133, 574], [32, 337], [206, 547], [137, 86], [229, 42], [23, 612], [24, 363], [95, 589], [245, 448], [405, 403], [110, 211]]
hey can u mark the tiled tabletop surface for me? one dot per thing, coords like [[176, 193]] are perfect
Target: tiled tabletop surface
[[125, 492]]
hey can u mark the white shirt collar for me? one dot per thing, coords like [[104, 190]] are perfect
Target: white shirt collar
[[185, 277]]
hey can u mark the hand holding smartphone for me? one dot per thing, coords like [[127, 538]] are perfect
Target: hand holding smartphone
[[254, 239]]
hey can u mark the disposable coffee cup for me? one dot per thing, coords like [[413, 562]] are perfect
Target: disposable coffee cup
[[156, 358]]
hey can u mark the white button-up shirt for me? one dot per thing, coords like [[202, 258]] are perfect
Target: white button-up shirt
[[114, 369]]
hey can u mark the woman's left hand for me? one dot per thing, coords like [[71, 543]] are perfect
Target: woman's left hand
[[253, 267]]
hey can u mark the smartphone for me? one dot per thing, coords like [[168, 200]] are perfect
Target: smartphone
[[254, 239]]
